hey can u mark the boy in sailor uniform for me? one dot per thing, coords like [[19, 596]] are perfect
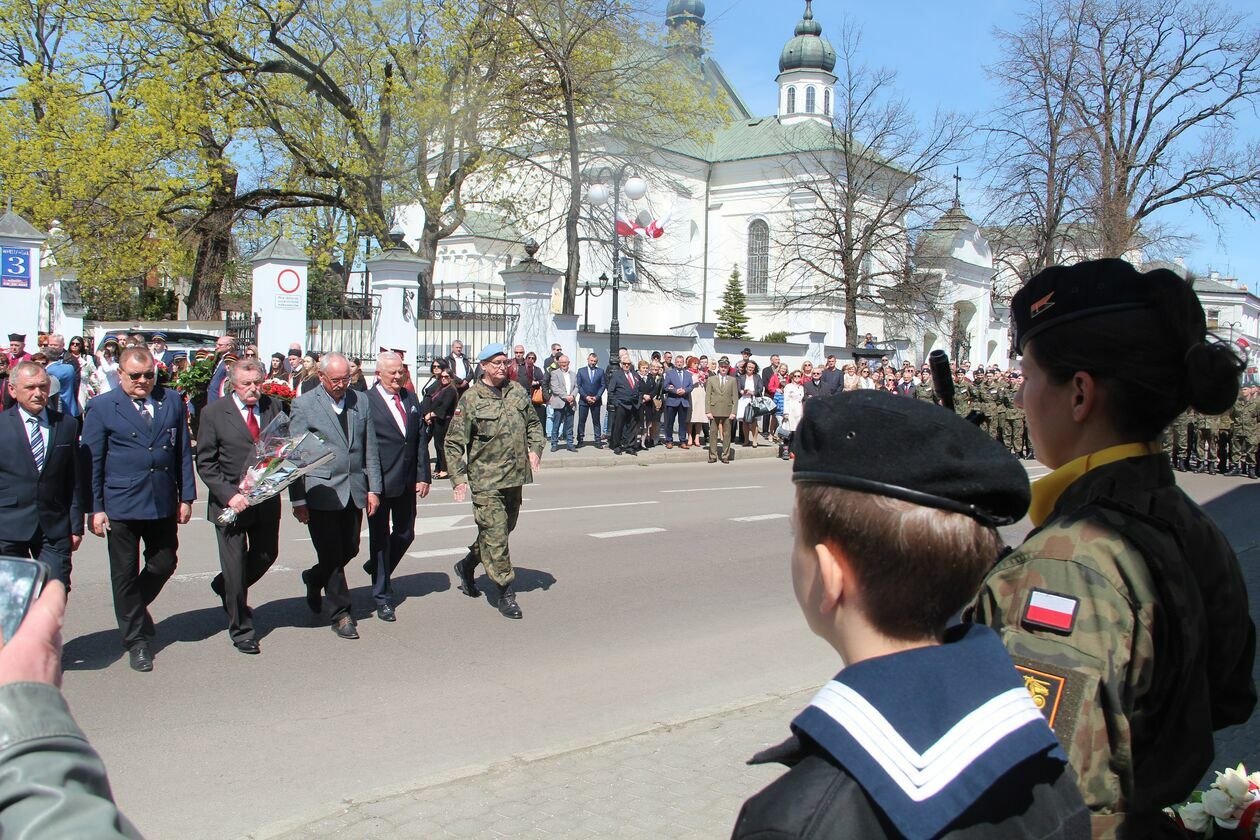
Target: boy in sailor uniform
[[928, 731]]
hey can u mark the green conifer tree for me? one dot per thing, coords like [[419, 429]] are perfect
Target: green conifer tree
[[732, 319]]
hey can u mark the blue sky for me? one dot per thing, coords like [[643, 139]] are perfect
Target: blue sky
[[939, 51]]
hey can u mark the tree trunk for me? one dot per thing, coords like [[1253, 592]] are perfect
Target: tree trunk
[[430, 236], [214, 243], [573, 268]]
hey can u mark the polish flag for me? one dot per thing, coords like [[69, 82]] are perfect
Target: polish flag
[[1243, 343], [1051, 610], [627, 226]]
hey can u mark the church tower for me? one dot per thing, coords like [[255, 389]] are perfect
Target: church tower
[[685, 19], [805, 77]]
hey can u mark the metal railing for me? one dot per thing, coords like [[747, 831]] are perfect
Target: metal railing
[[475, 323], [348, 326]]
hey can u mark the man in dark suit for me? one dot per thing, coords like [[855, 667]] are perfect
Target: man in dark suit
[[330, 500], [832, 379], [41, 510], [224, 346], [678, 387], [591, 383], [225, 450], [401, 432], [625, 395], [142, 489]]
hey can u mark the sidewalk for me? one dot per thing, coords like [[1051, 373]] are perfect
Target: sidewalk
[[683, 780], [589, 456]]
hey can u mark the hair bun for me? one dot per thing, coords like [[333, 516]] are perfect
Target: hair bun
[[1213, 371]]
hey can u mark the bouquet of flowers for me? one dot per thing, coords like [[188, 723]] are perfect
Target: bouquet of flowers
[[279, 391], [1229, 808], [279, 460]]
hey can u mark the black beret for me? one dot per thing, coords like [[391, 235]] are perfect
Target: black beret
[[1063, 293], [857, 440]]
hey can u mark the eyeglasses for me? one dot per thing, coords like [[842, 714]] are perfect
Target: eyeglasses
[[250, 355], [148, 374], [337, 380], [495, 363]]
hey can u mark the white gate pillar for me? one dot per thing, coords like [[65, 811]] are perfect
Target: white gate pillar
[[531, 285], [279, 297]]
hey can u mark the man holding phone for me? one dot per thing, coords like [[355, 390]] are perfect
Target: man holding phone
[[40, 512], [142, 489]]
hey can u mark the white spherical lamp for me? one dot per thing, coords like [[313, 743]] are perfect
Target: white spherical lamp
[[597, 194], [636, 188]]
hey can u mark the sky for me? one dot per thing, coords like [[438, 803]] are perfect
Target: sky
[[939, 51]]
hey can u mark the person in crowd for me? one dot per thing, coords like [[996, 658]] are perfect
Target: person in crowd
[[431, 385], [293, 364], [697, 422], [86, 364], [813, 386], [721, 394], [677, 386], [625, 390], [865, 380], [331, 501], [653, 402], [782, 380], [441, 408], [563, 404], [520, 370], [868, 342], [768, 373], [807, 371], [591, 383], [66, 372], [136, 339], [750, 387], [106, 376], [224, 346], [309, 376], [42, 476], [358, 382], [248, 546], [539, 384], [52, 783], [832, 378], [887, 550], [793, 407], [905, 386], [405, 474], [5, 397], [161, 352], [494, 446], [276, 372], [1125, 592], [17, 349], [667, 361], [457, 364], [142, 488]]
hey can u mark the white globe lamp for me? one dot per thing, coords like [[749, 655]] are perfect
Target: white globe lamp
[[636, 188], [597, 195]]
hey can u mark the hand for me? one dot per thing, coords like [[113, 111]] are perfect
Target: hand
[[422, 488], [34, 652], [374, 501], [709, 416], [100, 524], [534, 461], [301, 514], [732, 417], [76, 540], [461, 490], [590, 401], [185, 512], [238, 503]]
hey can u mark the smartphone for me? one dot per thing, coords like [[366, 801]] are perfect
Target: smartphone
[[21, 581]]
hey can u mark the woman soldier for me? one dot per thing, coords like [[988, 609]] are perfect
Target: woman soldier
[[1125, 608]]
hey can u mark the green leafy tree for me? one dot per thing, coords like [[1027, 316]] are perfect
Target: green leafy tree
[[732, 319]]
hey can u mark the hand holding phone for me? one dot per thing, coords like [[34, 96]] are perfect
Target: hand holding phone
[[32, 651]]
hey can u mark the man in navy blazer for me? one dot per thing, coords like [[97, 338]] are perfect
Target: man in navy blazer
[[678, 387], [591, 384], [404, 438], [142, 489], [41, 511]]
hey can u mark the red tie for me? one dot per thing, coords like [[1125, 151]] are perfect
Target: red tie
[[630, 378], [252, 423], [401, 412]]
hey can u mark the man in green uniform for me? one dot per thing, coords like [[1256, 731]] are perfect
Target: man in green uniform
[[1177, 441], [494, 443], [923, 389], [1014, 415], [1207, 431], [1244, 435]]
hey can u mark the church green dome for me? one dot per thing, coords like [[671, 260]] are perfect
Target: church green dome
[[808, 50], [684, 8]]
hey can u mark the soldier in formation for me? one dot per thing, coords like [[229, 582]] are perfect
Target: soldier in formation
[[1224, 444]]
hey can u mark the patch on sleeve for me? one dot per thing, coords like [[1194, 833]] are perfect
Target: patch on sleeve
[[1057, 691], [1051, 611], [458, 411]]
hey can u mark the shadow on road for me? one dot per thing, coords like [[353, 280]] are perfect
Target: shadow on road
[[103, 648], [1235, 514]]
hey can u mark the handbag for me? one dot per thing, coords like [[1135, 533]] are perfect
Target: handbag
[[658, 402], [537, 396], [762, 406]]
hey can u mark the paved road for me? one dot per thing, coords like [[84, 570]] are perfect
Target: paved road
[[653, 597]]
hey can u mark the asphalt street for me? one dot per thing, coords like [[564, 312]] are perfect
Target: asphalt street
[[653, 595]]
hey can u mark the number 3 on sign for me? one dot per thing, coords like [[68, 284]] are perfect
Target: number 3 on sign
[[15, 267]]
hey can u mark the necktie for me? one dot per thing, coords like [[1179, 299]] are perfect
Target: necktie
[[402, 414], [144, 412], [252, 423], [630, 378], [37, 443]]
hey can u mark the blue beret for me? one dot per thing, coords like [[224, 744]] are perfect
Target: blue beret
[[490, 351]]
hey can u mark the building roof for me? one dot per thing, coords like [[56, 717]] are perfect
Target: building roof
[[486, 225], [279, 250], [937, 242], [761, 137], [1215, 287], [15, 227]]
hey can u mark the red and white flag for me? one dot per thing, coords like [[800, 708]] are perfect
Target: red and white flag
[[1055, 612]]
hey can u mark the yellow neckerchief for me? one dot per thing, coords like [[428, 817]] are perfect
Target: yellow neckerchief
[[1047, 489]]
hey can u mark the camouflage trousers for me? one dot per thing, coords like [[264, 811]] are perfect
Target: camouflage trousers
[[1013, 434], [1205, 445], [495, 512]]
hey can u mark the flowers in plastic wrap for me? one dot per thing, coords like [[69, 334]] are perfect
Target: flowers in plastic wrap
[[279, 460], [1229, 808]]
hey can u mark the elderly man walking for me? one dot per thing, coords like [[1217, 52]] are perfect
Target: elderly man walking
[[331, 499], [563, 403], [494, 443]]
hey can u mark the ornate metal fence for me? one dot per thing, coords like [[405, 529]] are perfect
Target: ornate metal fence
[[475, 323], [243, 326], [347, 326]]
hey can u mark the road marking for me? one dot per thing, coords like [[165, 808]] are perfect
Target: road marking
[[760, 518], [191, 576], [588, 507], [437, 552], [714, 489], [631, 532], [197, 519]]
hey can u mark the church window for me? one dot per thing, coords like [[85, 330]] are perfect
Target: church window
[[758, 257], [827, 102], [791, 103], [811, 100]]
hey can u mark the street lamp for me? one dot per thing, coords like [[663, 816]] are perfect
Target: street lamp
[[635, 188], [587, 292], [1232, 325]]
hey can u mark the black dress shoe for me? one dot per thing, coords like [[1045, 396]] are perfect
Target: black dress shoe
[[247, 646], [141, 659], [369, 568], [385, 612], [507, 603], [314, 599], [344, 627], [217, 585], [464, 574]]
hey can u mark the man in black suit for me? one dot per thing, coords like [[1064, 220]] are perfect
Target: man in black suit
[[225, 450], [41, 512], [462, 372], [400, 431], [625, 395], [832, 378]]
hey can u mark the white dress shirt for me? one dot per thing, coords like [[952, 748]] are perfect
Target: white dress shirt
[[246, 410], [400, 419], [45, 431]]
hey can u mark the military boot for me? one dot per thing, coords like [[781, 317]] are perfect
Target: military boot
[[507, 602], [464, 570]]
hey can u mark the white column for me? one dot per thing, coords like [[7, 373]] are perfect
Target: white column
[[20, 295], [279, 297], [706, 342], [395, 276], [531, 285], [564, 333]]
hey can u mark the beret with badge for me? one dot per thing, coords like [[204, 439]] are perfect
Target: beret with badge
[[856, 441]]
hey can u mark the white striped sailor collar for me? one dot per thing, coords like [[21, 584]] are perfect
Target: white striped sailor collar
[[927, 731]]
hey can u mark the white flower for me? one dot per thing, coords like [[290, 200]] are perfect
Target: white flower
[[1194, 817], [1218, 804], [1235, 783]]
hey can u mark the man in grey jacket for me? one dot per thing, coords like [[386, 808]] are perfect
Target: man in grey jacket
[[339, 491], [563, 402], [52, 783]]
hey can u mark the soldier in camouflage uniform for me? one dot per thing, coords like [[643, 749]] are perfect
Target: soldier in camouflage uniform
[[1207, 432], [1014, 415], [1245, 435], [494, 443], [1177, 440], [924, 389], [1125, 608]]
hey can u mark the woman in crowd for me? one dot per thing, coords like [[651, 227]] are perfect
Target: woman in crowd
[[276, 372], [536, 387], [750, 386], [357, 380], [87, 367], [793, 406], [851, 379], [307, 379], [697, 423], [865, 380], [441, 408], [774, 390], [105, 378], [434, 382], [654, 387]]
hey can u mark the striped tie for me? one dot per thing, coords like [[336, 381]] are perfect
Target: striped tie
[[37, 444]]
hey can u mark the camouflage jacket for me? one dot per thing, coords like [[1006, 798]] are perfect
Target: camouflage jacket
[[490, 438], [1151, 652], [924, 391], [1243, 419]]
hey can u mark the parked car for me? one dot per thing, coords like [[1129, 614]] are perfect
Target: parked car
[[177, 340]]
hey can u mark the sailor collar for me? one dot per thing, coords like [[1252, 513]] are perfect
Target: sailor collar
[[928, 731]]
